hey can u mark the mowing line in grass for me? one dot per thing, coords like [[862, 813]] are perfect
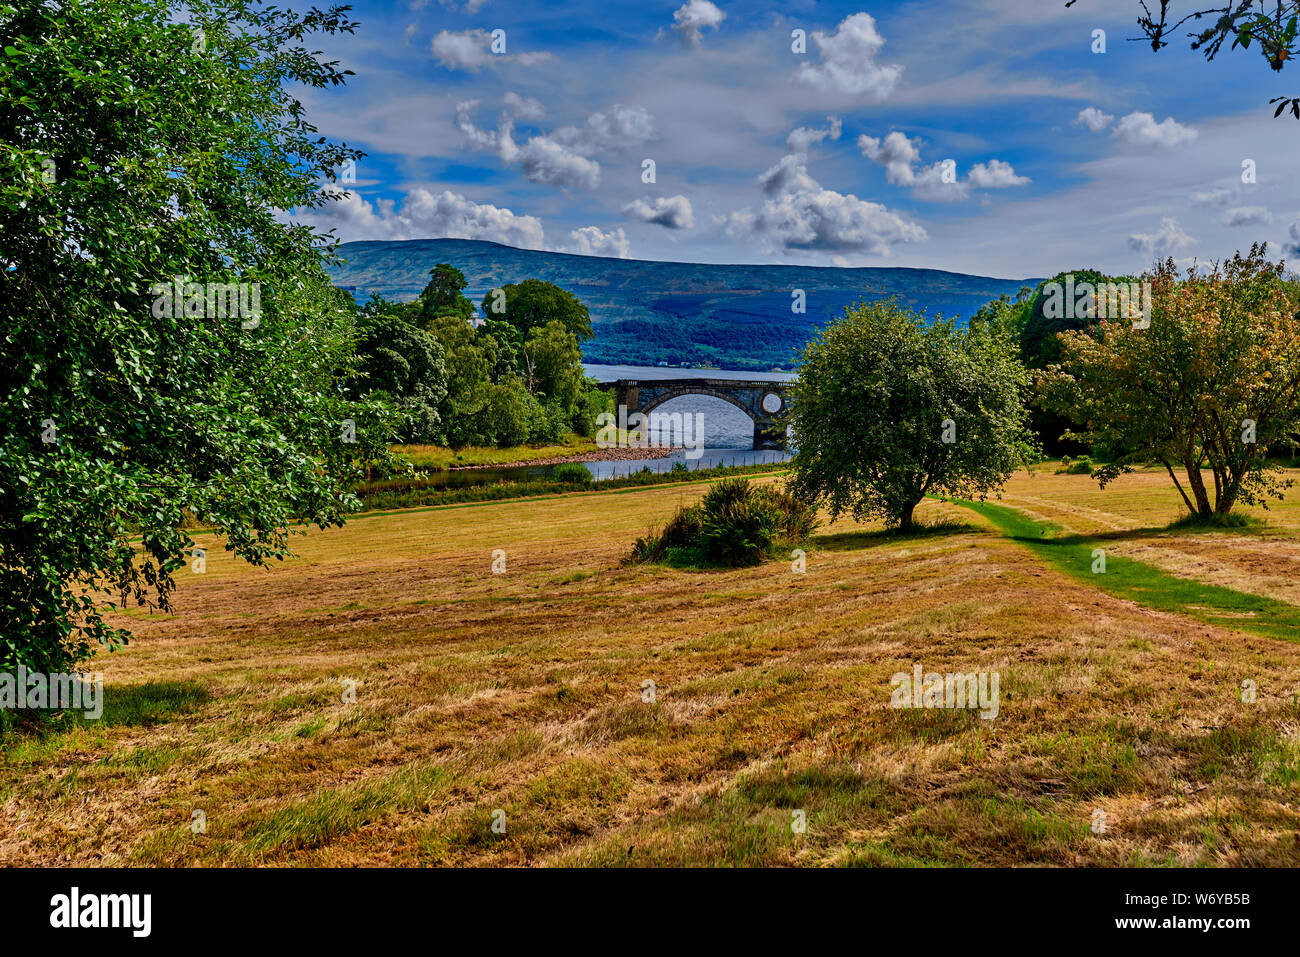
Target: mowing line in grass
[[1144, 583]]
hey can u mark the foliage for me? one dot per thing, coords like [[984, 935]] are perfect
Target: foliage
[[1271, 25], [443, 295], [124, 416], [887, 410], [735, 524], [412, 492], [1006, 315], [572, 472], [533, 303], [1212, 384], [1079, 466], [403, 362]]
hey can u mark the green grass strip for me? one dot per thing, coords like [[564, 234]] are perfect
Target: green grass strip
[[1141, 582]]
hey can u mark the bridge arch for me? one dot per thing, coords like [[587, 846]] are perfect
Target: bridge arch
[[747, 395]]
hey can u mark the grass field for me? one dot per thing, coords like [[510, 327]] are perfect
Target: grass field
[[524, 692]]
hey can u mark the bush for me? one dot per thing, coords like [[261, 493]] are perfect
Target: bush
[[1080, 466], [736, 524], [574, 473]]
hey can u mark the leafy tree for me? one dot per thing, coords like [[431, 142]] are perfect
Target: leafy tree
[[1271, 25], [146, 145], [1213, 383], [509, 347], [1040, 326], [887, 410], [533, 303], [443, 295], [1004, 314], [554, 363], [403, 361]]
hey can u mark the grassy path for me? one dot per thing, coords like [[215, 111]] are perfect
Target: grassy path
[[1141, 582]]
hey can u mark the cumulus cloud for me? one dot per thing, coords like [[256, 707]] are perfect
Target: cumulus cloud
[[540, 159], [848, 60], [564, 157], [695, 16], [674, 212], [1246, 216], [1141, 129], [591, 241], [995, 175], [901, 158], [471, 50], [1165, 241], [1094, 119], [798, 214], [804, 137], [425, 215]]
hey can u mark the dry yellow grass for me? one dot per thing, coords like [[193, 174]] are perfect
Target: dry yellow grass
[[522, 692]]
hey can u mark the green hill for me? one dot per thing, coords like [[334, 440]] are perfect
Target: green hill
[[643, 313]]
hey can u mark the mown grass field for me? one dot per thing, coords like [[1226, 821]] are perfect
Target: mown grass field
[[522, 692]]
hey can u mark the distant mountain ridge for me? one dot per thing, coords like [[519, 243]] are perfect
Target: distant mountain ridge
[[646, 312]]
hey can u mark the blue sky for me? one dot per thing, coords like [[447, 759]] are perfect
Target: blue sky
[[981, 136]]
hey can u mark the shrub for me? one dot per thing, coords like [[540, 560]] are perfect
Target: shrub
[[735, 524], [1080, 466], [574, 473]]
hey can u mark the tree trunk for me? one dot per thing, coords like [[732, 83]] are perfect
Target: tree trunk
[[1197, 483], [905, 520]]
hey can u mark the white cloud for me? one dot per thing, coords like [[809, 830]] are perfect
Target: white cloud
[[471, 50], [1246, 216], [848, 60], [590, 241], [1141, 129], [425, 215], [800, 215], [611, 130], [693, 17], [1094, 119], [673, 212], [939, 181], [995, 175], [462, 51], [804, 137], [1165, 241], [541, 159]]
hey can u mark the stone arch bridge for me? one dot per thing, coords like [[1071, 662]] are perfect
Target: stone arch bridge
[[763, 401]]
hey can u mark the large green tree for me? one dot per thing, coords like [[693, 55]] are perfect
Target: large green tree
[[401, 360], [170, 350], [444, 294], [1210, 386], [535, 302], [888, 409]]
